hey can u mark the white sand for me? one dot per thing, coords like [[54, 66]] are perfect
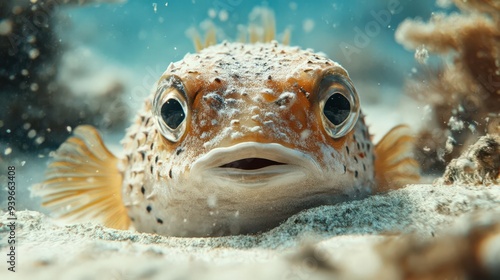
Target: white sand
[[344, 236]]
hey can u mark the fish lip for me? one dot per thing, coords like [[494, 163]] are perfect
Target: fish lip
[[296, 165]]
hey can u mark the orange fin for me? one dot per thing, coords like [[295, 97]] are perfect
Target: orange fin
[[261, 28], [394, 162], [83, 182]]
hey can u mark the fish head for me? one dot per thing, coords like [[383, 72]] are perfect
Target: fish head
[[262, 129]]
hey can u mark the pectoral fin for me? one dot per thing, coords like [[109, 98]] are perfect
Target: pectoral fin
[[394, 162], [83, 182]]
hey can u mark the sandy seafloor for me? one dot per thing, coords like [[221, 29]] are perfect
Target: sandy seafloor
[[343, 237]]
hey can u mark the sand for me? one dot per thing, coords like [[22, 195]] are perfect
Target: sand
[[345, 240]]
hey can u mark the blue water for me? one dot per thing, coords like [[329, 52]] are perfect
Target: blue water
[[135, 34]]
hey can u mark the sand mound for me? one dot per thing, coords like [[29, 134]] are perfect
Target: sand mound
[[314, 244]]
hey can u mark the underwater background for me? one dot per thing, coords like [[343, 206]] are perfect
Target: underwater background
[[80, 62]]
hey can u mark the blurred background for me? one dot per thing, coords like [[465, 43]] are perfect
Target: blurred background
[[94, 62]]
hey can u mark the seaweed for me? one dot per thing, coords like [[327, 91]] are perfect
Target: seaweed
[[464, 91], [37, 108]]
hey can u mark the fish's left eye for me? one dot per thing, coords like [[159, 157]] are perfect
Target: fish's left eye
[[339, 105], [171, 111], [337, 108]]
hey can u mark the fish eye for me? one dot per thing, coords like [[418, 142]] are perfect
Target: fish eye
[[339, 105], [337, 108], [172, 113], [170, 110]]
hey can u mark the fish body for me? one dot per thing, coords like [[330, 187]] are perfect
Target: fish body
[[235, 139]]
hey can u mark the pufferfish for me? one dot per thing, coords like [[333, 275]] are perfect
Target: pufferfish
[[235, 139]]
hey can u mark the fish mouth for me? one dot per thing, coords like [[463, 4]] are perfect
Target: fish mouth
[[252, 164]]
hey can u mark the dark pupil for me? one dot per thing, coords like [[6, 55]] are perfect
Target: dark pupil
[[337, 108], [172, 113]]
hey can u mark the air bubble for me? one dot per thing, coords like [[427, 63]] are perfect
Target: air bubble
[[31, 133], [39, 140], [5, 27], [223, 15], [308, 25], [34, 87], [212, 13], [34, 53]]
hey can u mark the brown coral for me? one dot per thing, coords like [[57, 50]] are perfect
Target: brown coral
[[480, 164], [465, 92]]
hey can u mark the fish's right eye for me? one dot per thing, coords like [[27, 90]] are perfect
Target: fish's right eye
[[171, 110]]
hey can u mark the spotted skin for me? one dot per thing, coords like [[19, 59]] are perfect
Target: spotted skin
[[242, 99], [233, 104]]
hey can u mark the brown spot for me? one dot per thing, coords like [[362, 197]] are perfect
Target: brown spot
[[160, 221], [170, 173], [356, 174], [143, 190], [347, 149]]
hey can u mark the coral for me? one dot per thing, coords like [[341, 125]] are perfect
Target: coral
[[480, 164], [464, 92], [35, 110]]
